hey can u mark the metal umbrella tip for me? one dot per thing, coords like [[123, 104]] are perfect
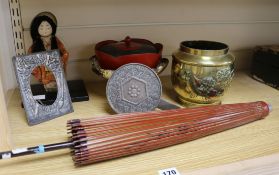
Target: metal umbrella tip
[[269, 107]]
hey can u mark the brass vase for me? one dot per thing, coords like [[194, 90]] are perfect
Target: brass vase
[[201, 72]]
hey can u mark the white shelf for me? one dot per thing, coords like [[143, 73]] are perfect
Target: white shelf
[[254, 140]]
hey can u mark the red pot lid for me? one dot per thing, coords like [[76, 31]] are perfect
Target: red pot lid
[[128, 46]]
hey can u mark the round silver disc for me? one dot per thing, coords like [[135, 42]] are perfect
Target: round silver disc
[[133, 88]]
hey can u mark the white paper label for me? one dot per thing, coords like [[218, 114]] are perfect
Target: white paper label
[[19, 150], [6, 156], [169, 171], [39, 97]]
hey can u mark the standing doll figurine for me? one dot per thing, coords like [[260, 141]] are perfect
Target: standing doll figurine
[[43, 30]]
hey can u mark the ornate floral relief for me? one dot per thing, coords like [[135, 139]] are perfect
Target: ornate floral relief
[[212, 85]]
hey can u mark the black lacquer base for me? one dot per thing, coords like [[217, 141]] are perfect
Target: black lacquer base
[[76, 88]]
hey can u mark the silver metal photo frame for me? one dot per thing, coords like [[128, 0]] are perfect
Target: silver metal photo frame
[[38, 113]]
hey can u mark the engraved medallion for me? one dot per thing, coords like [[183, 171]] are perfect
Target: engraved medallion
[[133, 88]]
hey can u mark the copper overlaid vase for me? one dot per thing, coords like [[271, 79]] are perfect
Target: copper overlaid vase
[[201, 72]]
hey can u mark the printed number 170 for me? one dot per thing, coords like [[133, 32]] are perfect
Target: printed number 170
[[171, 172]]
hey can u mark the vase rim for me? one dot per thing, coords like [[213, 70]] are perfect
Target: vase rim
[[204, 48]]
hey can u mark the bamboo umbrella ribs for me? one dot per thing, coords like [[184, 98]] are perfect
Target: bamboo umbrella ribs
[[104, 138]]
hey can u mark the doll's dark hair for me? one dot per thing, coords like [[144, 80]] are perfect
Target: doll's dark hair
[[38, 45]]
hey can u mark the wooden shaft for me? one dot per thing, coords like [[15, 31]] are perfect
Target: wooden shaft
[[122, 135], [35, 150]]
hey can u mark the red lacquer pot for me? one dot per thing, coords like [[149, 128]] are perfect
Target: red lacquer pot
[[113, 54]]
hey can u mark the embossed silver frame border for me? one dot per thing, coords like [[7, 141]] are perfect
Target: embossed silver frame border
[[37, 113]]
